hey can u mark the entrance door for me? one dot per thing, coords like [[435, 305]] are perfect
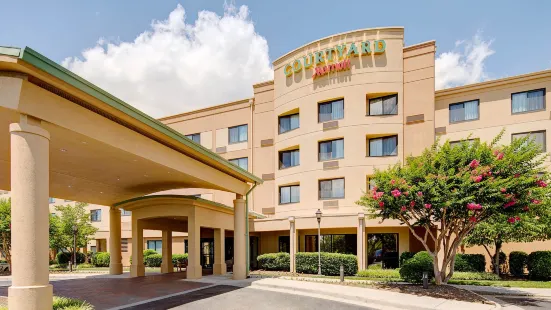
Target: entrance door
[[253, 251], [207, 253]]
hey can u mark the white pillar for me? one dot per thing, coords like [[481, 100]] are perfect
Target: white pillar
[[292, 238], [115, 255], [137, 269], [239, 240], [194, 269], [219, 251], [30, 182], [361, 250], [166, 265]]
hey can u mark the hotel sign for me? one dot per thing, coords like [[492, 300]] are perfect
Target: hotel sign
[[333, 59]]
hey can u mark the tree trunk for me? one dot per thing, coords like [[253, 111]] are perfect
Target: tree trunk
[[496, 258]]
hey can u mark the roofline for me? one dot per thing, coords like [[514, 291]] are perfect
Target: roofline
[[334, 35], [47, 65], [493, 83], [214, 107], [419, 45], [265, 83], [205, 201]]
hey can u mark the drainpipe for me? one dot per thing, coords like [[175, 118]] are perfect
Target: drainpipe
[[247, 241]]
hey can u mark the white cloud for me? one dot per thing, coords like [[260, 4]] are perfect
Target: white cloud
[[465, 64], [177, 66]]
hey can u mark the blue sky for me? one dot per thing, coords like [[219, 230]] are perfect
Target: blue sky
[[514, 31]]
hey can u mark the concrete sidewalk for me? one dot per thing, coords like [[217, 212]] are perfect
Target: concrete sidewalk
[[510, 291], [380, 299]]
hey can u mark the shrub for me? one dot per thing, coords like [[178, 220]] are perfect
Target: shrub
[[517, 263], [330, 263], [388, 274], [413, 269], [470, 263], [375, 267], [539, 265], [56, 266], [101, 259], [405, 256], [85, 266], [154, 260], [148, 252], [64, 303], [64, 258], [182, 258], [475, 276], [274, 261]]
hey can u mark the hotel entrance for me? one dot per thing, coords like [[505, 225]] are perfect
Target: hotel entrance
[[207, 253]]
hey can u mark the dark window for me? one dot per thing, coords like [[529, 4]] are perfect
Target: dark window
[[124, 245], [537, 136], [387, 105], [238, 134], [155, 245], [331, 188], [243, 162], [331, 110], [527, 101], [464, 111], [385, 146], [95, 215], [289, 194], [383, 249], [288, 122], [289, 159], [284, 244], [196, 137], [344, 244], [333, 149]]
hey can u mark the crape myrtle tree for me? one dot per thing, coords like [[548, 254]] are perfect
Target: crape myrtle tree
[[5, 229], [61, 226], [449, 190]]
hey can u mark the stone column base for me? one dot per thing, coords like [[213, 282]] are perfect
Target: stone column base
[[115, 268], [137, 270], [220, 269], [194, 272], [167, 269], [30, 297]]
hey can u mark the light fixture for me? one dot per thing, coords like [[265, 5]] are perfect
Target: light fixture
[[84, 142], [118, 179], [69, 186], [145, 175], [63, 150], [101, 192]]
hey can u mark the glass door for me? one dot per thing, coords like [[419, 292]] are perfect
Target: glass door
[[253, 250], [207, 253]]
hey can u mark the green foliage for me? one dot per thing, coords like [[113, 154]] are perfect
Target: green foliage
[[387, 274], [405, 256], [413, 269], [274, 261], [375, 267], [460, 187], [85, 266], [539, 265], [330, 263], [64, 303], [101, 259], [394, 275], [5, 229], [148, 252], [179, 258], [517, 263], [63, 258], [61, 226], [475, 276], [154, 260], [470, 262]]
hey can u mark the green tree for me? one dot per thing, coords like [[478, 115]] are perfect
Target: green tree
[[61, 226], [5, 229], [449, 190]]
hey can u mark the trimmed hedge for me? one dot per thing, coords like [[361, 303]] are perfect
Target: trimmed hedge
[[539, 265], [388, 274], [517, 263], [182, 258], [63, 258], [146, 253], [405, 256], [101, 259], [274, 261], [413, 269], [330, 263], [154, 260], [470, 263]]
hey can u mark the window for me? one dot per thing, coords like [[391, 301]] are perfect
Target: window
[[464, 111], [332, 110], [289, 194], [124, 245], [288, 122], [532, 100], [331, 188], [289, 159], [383, 249], [458, 142], [238, 134], [333, 149], [93, 249], [387, 105], [370, 183], [125, 213], [95, 215], [345, 244], [156, 245], [284, 244], [537, 136], [51, 200], [385, 146], [196, 137], [243, 162]]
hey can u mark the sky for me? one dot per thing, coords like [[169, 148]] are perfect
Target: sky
[[166, 57]]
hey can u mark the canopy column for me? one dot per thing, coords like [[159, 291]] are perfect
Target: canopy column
[[166, 265], [137, 269], [219, 251], [239, 239], [115, 255], [194, 269]]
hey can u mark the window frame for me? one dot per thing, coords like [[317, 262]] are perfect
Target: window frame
[[334, 179], [382, 98], [528, 91], [331, 102], [290, 196], [289, 116], [369, 148], [190, 136], [155, 241], [326, 141], [280, 154], [229, 136], [463, 103], [95, 211], [532, 132], [238, 158]]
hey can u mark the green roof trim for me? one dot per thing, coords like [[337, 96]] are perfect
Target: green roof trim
[[49, 66], [206, 201]]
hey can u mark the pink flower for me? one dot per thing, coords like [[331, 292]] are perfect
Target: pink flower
[[511, 220], [516, 175], [406, 193], [477, 179], [474, 206], [412, 204], [378, 195], [381, 204], [500, 156], [420, 194], [526, 208], [474, 163], [404, 208], [541, 183], [375, 188], [428, 205], [536, 202], [510, 204], [392, 181], [503, 190], [472, 219], [496, 152], [517, 218], [396, 193]]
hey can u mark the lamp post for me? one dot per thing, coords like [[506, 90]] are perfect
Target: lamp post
[[75, 231], [318, 216]]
